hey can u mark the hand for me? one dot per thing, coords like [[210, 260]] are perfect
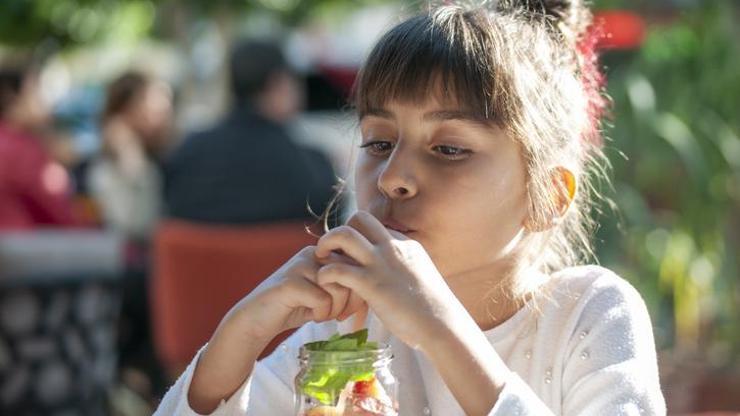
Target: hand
[[393, 274], [289, 298], [399, 282]]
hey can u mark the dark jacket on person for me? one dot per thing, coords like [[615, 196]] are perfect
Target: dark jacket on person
[[245, 169]]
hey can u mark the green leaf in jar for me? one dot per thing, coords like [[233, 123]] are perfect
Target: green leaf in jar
[[327, 377]]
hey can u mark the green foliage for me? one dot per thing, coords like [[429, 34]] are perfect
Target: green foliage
[[678, 189], [337, 361], [65, 23], [69, 23]]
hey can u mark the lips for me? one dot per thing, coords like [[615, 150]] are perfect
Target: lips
[[397, 226]]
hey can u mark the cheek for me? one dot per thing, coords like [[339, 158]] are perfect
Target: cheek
[[477, 218], [365, 181]]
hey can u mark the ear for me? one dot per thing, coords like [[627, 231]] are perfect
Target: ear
[[563, 193], [564, 182]]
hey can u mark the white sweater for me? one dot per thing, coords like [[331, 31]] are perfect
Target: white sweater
[[588, 351]]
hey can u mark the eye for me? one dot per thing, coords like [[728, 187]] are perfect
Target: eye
[[452, 152], [377, 147]]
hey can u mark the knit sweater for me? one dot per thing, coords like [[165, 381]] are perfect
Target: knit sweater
[[584, 346]]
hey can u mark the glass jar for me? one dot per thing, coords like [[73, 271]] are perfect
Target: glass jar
[[346, 383]]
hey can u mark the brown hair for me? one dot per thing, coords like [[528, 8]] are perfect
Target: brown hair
[[521, 66], [12, 78], [122, 92]]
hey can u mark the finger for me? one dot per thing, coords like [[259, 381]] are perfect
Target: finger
[[354, 304], [304, 293], [397, 235], [308, 269], [324, 309], [339, 297], [347, 240], [334, 258], [351, 277], [304, 264], [369, 226]]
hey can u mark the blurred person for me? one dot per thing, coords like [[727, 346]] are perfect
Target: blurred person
[[35, 190], [247, 168], [126, 180]]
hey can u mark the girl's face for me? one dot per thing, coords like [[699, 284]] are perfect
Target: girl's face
[[151, 111], [445, 179]]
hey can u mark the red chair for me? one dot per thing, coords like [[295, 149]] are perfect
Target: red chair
[[201, 271]]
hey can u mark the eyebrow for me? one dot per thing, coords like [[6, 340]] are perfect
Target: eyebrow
[[438, 116]]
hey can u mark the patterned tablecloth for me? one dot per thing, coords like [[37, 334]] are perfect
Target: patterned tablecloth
[[59, 304]]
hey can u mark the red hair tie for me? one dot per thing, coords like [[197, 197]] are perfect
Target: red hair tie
[[593, 81]]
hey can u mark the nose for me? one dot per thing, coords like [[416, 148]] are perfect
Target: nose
[[397, 179]]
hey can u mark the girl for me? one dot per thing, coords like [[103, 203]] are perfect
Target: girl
[[472, 187], [126, 180]]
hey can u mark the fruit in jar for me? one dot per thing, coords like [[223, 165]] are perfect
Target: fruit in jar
[[324, 411]]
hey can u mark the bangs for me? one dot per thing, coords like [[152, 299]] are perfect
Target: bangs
[[446, 56]]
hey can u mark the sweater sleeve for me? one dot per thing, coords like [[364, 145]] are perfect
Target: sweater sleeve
[[518, 399], [175, 401], [610, 364]]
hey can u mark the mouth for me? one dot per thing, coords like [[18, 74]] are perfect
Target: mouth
[[396, 226]]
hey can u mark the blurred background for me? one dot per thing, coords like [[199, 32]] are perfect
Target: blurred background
[[104, 109]]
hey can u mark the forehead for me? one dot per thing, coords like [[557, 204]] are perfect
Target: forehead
[[432, 89], [434, 107]]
